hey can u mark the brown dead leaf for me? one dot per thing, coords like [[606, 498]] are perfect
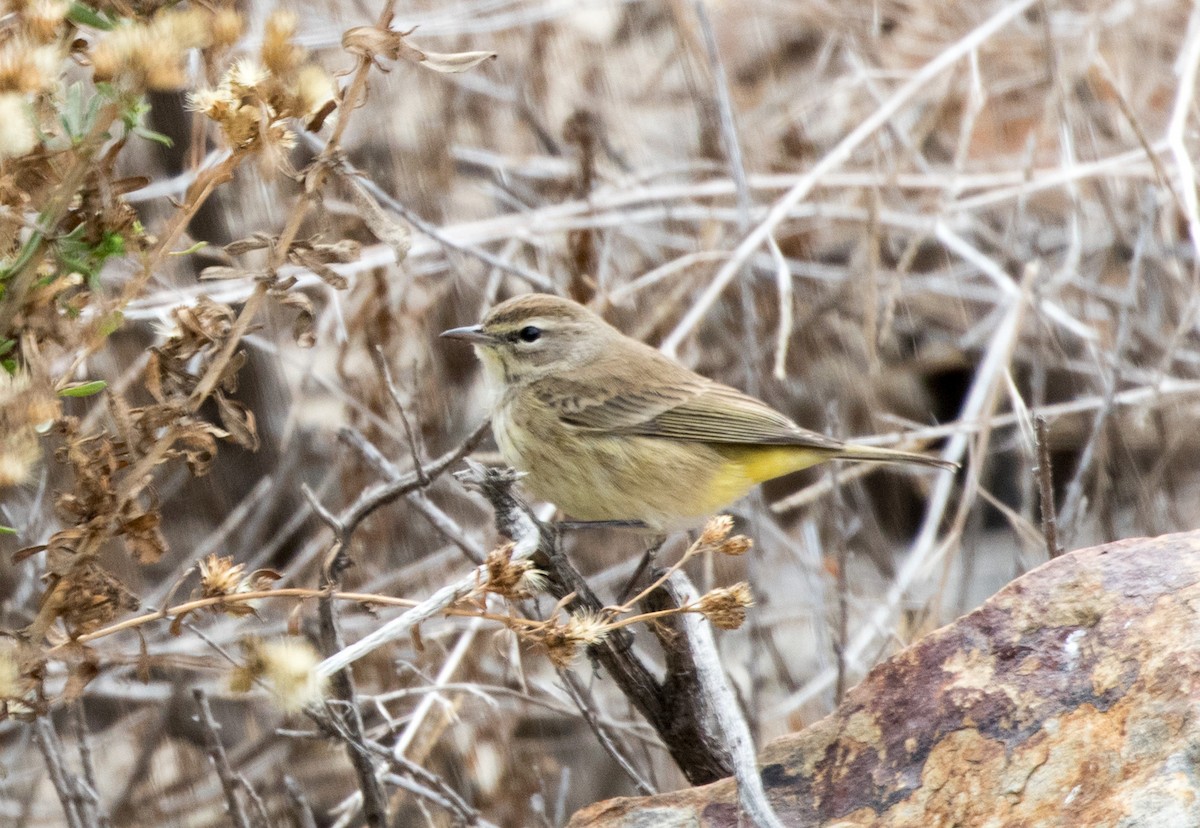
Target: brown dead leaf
[[239, 421]]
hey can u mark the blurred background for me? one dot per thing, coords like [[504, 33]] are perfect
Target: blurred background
[[970, 216]]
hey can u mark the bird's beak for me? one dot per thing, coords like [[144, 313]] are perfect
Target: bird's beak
[[471, 333]]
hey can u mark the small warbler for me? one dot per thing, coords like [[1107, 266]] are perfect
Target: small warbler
[[609, 429]]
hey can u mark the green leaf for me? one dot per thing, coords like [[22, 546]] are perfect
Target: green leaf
[[151, 135], [134, 117], [79, 111], [7, 530], [7, 345], [200, 245], [82, 15], [9, 365], [83, 389]]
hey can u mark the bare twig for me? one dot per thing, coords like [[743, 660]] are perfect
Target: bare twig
[[216, 752], [1046, 489], [83, 743], [64, 781], [585, 705], [300, 805], [835, 158]]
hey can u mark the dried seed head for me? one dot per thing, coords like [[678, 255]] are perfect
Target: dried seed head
[[25, 407], [27, 67], [314, 90], [726, 607], [737, 545], [151, 54], [511, 579], [715, 531], [11, 686], [226, 28], [19, 455], [245, 75], [43, 18], [287, 666], [221, 577], [564, 641], [279, 54]]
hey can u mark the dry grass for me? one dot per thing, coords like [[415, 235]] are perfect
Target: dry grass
[[893, 221]]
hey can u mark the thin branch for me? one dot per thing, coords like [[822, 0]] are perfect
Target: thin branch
[[1046, 490], [834, 159], [300, 805], [60, 775], [216, 752], [585, 705]]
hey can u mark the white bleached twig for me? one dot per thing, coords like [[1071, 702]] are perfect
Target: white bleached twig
[[835, 158]]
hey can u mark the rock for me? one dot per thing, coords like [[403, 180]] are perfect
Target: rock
[[1070, 698]]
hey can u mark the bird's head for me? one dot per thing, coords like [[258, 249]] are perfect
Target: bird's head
[[533, 336]]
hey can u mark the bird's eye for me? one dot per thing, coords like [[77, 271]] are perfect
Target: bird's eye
[[530, 333]]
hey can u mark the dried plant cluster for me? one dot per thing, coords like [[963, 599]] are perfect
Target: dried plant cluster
[[229, 235]]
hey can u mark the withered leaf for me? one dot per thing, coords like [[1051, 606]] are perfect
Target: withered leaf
[[80, 675], [126, 185], [327, 274], [238, 421], [217, 273], [383, 226], [295, 616], [143, 539], [261, 579], [259, 241], [453, 62], [229, 374], [318, 119], [198, 446], [152, 375], [303, 327], [27, 553], [344, 251]]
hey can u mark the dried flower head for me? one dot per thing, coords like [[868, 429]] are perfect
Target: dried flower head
[[25, 408], [28, 67], [514, 580], [15, 688], [151, 54], [564, 641], [287, 666], [315, 90], [11, 686], [726, 607], [280, 55], [737, 545], [221, 577], [226, 28], [255, 98], [42, 18], [715, 531], [19, 454]]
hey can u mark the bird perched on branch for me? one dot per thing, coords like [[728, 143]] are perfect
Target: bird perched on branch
[[609, 429]]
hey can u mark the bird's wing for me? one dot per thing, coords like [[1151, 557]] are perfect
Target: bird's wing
[[687, 408]]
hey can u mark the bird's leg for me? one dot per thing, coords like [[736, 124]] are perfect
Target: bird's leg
[[647, 561]]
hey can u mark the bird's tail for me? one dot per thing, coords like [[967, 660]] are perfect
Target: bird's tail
[[882, 455]]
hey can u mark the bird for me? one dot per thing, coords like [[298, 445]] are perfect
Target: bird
[[610, 430]]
